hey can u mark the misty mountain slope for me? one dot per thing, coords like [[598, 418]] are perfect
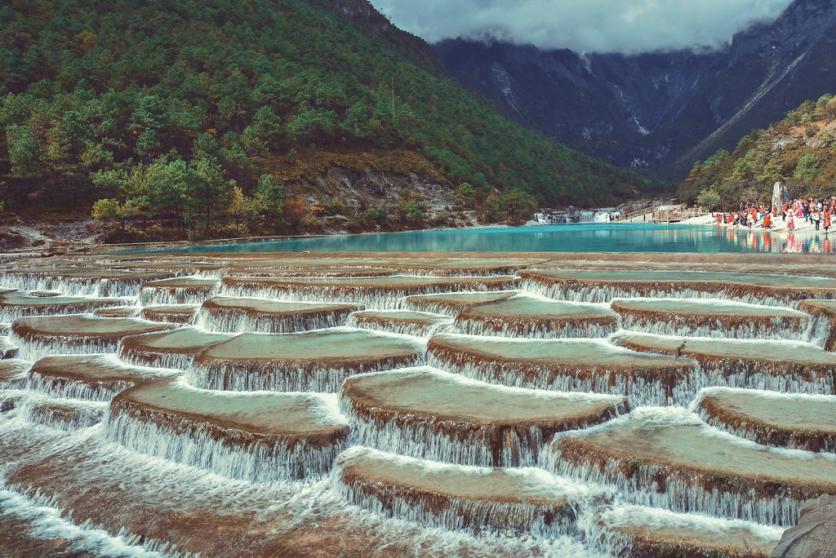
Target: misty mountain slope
[[323, 101], [799, 150], [658, 110]]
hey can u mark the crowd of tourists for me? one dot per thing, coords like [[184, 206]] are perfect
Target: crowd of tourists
[[820, 213]]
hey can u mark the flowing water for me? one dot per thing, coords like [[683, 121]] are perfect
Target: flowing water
[[382, 406]]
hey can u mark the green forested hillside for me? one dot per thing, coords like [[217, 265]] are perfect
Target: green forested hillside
[[800, 151], [191, 110]]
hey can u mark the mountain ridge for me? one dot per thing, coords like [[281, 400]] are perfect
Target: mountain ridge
[[798, 151], [657, 110], [215, 113]]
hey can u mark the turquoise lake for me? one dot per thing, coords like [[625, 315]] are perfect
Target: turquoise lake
[[593, 237]]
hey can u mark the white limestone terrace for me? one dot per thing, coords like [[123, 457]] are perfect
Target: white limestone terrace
[[603, 286], [90, 377], [258, 436], [91, 280], [404, 322], [128, 311], [771, 418], [13, 372], [372, 292], [724, 319], [788, 366], [513, 442], [668, 457], [60, 413], [8, 348], [172, 313], [267, 315], [590, 365], [452, 303], [168, 349], [428, 413], [310, 361], [17, 304], [516, 500], [177, 290], [624, 529], [76, 333], [531, 316]]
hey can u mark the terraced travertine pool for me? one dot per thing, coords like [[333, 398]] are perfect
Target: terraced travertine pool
[[414, 404]]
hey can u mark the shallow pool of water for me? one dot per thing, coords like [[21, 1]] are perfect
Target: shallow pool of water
[[598, 237]]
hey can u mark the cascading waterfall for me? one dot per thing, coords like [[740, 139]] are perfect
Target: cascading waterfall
[[427, 439], [452, 308], [458, 514], [68, 388], [774, 328], [493, 271], [138, 356], [73, 286], [9, 399], [13, 373], [412, 327], [674, 487], [602, 531], [380, 299], [169, 296], [232, 321], [270, 376], [401, 328], [9, 313], [62, 414], [449, 483], [533, 329], [43, 519], [820, 330], [449, 511], [230, 453], [606, 293], [34, 348], [385, 297], [639, 390], [177, 313], [644, 488], [786, 375]]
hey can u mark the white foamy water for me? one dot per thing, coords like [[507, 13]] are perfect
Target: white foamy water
[[59, 438], [607, 293], [42, 521], [604, 529], [454, 512], [643, 486]]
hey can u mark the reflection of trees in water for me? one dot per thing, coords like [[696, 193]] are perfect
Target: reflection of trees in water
[[550, 238]]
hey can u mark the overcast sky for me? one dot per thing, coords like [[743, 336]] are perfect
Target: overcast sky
[[627, 26]]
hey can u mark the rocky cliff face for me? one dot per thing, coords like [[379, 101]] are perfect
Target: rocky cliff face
[[658, 110]]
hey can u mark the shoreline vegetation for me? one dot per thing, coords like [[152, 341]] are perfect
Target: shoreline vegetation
[[799, 152], [148, 125], [218, 119]]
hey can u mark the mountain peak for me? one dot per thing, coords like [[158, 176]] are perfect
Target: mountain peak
[[658, 110]]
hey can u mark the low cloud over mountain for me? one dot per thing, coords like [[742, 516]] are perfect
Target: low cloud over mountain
[[624, 26]]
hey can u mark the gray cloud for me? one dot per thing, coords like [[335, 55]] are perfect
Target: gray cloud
[[627, 26]]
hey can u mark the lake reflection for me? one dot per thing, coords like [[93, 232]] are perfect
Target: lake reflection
[[603, 237]]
